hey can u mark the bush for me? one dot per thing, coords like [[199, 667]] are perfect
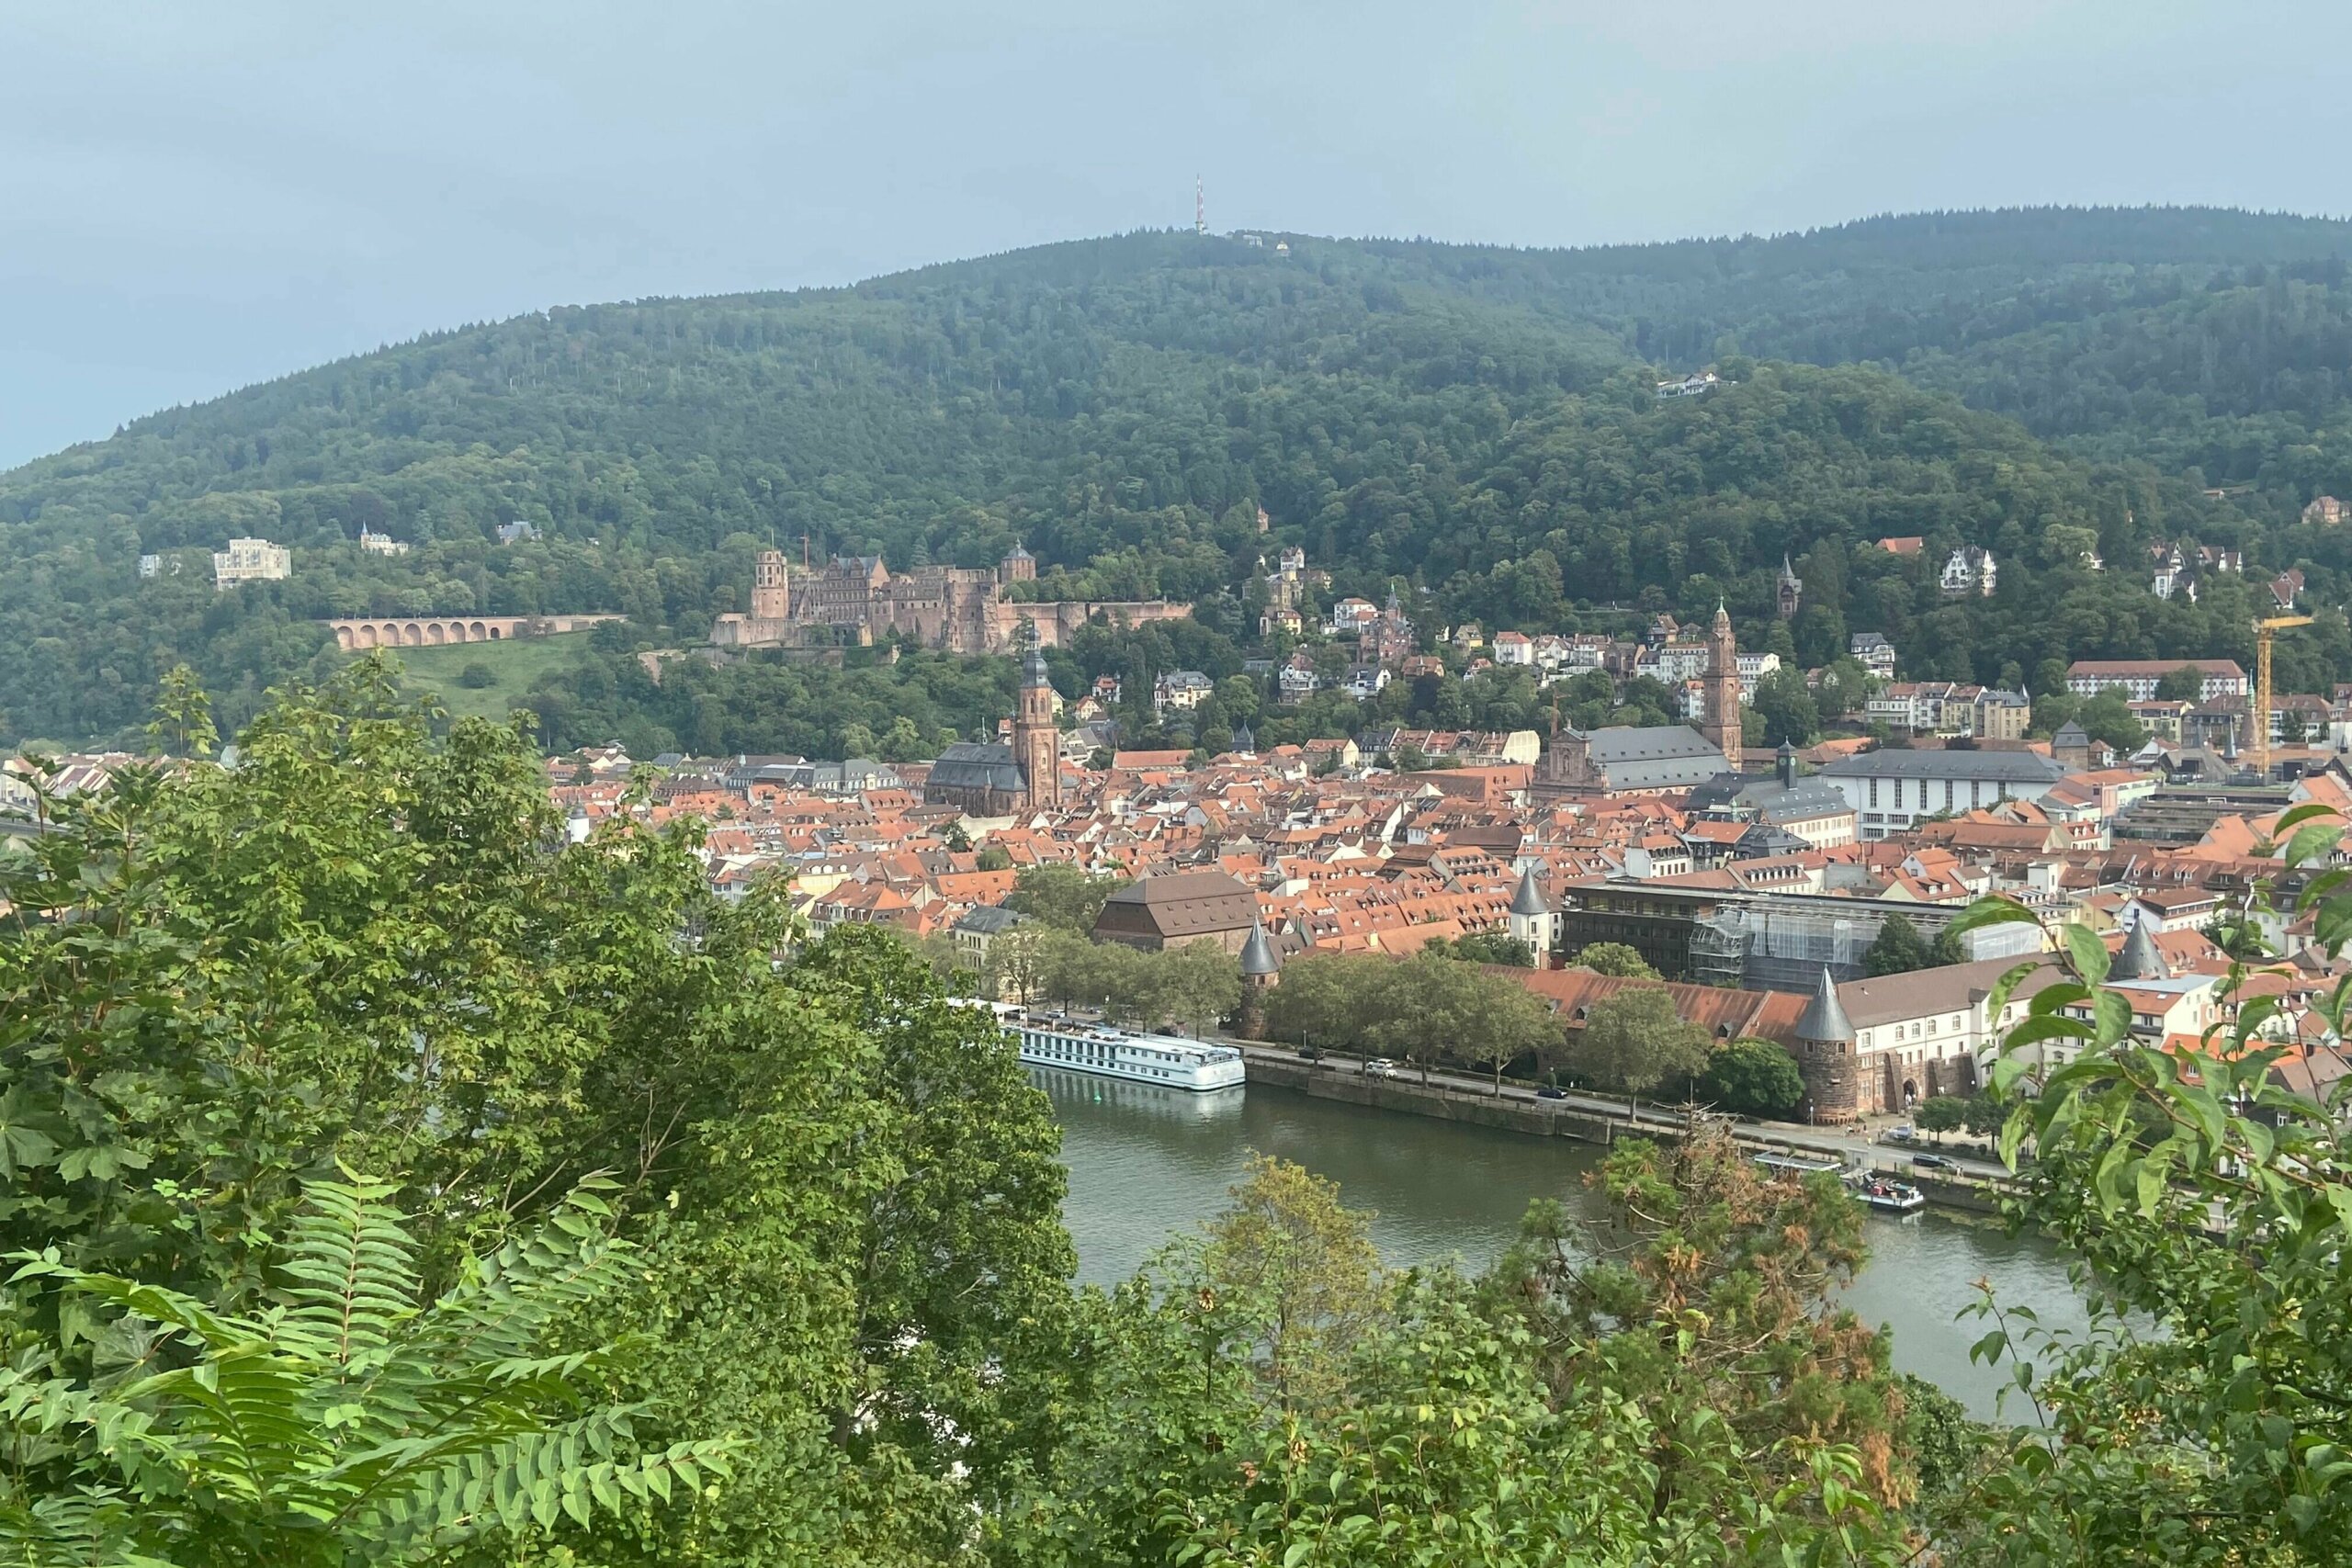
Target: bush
[[1753, 1077], [477, 675]]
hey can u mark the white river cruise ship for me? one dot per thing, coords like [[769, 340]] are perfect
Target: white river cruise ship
[[1170, 1061]]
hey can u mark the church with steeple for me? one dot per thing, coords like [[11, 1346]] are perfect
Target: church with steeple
[[1036, 743], [1669, 758], [993, 779]]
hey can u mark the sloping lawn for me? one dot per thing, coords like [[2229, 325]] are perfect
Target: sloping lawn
[[515, 664]]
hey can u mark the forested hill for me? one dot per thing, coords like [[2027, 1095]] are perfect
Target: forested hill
[[1457, 416]]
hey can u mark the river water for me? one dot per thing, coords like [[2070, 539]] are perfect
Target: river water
[[1146, 1163]]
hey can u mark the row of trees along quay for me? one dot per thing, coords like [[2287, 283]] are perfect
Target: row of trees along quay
[[1433, 1012], [1442, 1006], [384, 1182]]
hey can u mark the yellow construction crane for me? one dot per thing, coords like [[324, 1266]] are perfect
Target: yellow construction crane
[[2262, 630]]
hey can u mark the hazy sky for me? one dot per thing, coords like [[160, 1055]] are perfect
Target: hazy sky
[[194, 196]]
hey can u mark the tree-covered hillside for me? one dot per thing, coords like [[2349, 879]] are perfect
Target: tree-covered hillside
[[1470, 418]]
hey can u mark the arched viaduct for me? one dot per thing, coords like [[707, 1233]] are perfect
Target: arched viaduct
[[359, 632]]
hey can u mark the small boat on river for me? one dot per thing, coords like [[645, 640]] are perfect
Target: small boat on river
[[1885, 1192]]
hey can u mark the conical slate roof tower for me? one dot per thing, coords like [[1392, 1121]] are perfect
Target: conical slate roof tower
[[2141, 958]]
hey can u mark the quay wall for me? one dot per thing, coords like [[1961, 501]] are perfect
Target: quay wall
[[1552, 1119]]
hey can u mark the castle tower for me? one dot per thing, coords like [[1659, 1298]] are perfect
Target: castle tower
[[1037, 745], [770, 587], [1722, 725], [1791, 590], [1262, 971], [1531, 919], [1825, 1042], [1018, 567]]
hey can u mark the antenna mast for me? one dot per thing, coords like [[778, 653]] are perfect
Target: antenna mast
[[1200, 207]]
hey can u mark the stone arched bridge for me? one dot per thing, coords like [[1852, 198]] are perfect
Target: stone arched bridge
[[437, 631]]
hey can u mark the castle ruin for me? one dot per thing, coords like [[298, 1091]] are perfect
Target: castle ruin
[[859, 599]]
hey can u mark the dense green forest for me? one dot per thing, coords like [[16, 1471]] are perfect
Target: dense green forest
[[1476, 421]]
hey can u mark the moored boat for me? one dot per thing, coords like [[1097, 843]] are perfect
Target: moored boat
[[1166, 1061], [1885, 1192]]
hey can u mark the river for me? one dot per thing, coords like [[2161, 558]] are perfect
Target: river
[[1146, 1163]]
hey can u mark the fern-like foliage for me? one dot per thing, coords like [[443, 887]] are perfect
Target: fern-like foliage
[[352, 1421]]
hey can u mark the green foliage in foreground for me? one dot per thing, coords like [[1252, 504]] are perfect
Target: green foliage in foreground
[[1259, 1395], [2207, 1415], [668, 1194], [368, 948], [351, 1421]]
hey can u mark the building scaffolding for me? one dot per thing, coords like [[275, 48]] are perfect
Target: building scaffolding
[[1755, 940], [1776, 944]]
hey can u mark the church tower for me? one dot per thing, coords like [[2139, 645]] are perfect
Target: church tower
[[1791, 590], [1722, 685], [770, 587], [1037, 745]]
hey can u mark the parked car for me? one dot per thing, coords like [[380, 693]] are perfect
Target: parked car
[[1310, 1054], [1902, 1135], [1379, 1068], [1551, 1091]]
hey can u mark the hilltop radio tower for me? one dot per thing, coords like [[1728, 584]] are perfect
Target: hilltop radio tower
[[1200, 207]]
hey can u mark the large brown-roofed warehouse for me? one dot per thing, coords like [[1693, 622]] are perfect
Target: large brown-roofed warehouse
[[1178, 909]]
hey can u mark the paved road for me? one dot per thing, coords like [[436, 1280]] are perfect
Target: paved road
[[1851, 1145]]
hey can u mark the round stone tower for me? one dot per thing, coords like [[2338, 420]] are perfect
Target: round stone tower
[[1825, 1042], [1262, 971]]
